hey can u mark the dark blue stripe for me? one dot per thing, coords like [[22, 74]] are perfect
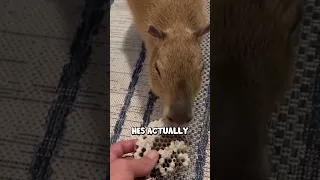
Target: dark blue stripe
[[147, 113], [68, 87], [127, 100], [204, 137]]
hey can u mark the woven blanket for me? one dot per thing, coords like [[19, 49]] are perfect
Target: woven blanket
[[294, 129], [54, 94], [54, 86]]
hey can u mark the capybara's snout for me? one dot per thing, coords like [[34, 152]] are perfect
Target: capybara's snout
[[180, 112]]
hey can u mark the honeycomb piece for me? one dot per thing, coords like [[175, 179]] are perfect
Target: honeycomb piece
[[172, 150]]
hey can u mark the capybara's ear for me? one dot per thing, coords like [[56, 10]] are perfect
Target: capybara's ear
[[156, 32], [203, 31]]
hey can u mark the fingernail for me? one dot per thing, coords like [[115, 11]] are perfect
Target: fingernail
[[153, 154]]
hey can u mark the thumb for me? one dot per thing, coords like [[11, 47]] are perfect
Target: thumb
[[143, 166]]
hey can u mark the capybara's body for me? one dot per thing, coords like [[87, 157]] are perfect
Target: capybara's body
[[172, 31]]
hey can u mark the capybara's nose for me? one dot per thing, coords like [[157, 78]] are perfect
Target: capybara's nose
[[179, 118], [189, 118], [180, 112], [169, 118]]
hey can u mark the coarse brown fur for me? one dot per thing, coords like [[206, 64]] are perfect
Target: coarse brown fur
[[252, 60], [173, 51]]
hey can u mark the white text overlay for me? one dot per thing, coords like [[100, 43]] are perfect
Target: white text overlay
[[159, 130]]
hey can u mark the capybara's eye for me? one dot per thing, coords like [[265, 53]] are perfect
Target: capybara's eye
[[157, 69]]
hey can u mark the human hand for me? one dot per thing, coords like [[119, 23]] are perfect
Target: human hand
[[129, 168]]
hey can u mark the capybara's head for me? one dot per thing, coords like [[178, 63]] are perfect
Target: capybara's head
[[176, 68]]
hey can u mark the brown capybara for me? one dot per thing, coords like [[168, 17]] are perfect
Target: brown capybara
[[172, 31]]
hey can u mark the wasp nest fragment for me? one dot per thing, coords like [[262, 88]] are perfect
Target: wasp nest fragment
[[172, 150]]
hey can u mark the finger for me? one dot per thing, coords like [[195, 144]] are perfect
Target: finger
[[143, 166], [140, 178], [120, 148], [129, 158]]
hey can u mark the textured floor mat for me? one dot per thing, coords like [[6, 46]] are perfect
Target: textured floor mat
[[294, 130], [54, 90]]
